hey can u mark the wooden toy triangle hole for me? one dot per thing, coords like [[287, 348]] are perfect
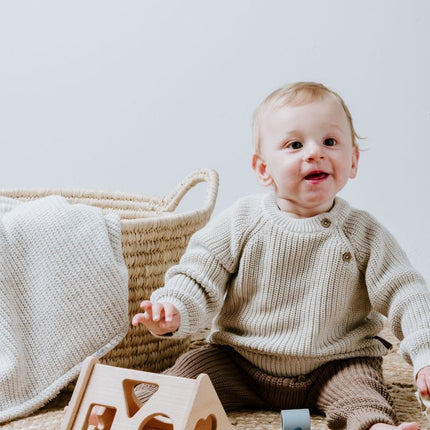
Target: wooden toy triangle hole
[[174, 403], [133, 404]]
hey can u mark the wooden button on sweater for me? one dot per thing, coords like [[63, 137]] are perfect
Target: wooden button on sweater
[[325, 222], [347, 257]]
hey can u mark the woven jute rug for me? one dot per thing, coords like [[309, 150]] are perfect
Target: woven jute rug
[[398, 376]]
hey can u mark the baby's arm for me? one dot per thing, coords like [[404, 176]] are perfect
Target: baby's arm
[[159, 318]]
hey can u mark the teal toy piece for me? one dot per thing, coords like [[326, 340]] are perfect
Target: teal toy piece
[[296, 419]]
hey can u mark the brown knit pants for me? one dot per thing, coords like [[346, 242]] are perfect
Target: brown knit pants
[[349, 392]]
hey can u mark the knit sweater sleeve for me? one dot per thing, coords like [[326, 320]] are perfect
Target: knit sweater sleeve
[[197, 285], [395, 289]]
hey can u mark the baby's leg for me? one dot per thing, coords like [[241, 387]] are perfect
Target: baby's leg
[[233, 386], [353, 396]]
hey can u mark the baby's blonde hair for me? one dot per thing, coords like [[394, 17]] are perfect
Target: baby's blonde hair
[[296, 94]]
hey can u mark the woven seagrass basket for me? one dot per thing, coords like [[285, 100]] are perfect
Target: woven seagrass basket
[[154, 238]]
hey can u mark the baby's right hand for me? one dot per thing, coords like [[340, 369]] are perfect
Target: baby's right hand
[[159, 318]]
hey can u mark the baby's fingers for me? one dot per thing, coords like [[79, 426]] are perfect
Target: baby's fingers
[[157, 310], [170, 312], [138, 319], [146, 306], [423, 382], [160, 318], [144, 316]]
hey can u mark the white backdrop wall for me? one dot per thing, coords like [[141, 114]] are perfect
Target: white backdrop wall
[[133, 95]]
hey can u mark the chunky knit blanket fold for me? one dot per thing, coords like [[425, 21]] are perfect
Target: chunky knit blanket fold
[[63, 296]]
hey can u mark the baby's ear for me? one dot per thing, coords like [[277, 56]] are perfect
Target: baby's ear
[[260, 169], [354, 163]]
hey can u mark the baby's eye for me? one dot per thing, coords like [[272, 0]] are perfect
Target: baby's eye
[[329, 142], [295, 145]]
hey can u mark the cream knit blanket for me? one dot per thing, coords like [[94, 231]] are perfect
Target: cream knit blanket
[[63, 296]]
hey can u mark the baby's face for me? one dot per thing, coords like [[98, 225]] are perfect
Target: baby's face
[[307, 154]]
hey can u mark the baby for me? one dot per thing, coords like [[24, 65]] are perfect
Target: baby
[[295, 281]]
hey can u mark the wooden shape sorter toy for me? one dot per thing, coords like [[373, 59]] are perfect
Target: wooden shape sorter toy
[[175, 404]]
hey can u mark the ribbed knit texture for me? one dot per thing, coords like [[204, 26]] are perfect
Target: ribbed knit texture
[[349, 392], [234, 387], [291, 294], [63, 296]]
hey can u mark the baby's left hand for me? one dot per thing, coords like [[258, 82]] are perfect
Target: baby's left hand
[[423, 382]]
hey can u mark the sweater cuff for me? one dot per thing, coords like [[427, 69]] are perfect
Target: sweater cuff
[[420, 361], [416, 350]]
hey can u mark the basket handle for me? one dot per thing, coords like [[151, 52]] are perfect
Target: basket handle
[[210, 176]]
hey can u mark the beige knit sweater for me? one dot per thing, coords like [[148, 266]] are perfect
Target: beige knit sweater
[[291, 294]]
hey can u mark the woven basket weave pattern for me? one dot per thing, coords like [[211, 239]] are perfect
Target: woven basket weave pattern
[[154, 238]]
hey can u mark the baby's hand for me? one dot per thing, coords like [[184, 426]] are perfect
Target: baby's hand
[[159, 318], [423, 382]]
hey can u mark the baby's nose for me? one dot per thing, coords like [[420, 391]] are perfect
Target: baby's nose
[[313, 151]]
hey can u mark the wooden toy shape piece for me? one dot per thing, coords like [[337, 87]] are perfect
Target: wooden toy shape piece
[[177, 404], [295, 419], [104, 417]]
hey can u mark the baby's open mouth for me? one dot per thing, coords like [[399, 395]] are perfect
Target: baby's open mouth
[[316, 176]]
